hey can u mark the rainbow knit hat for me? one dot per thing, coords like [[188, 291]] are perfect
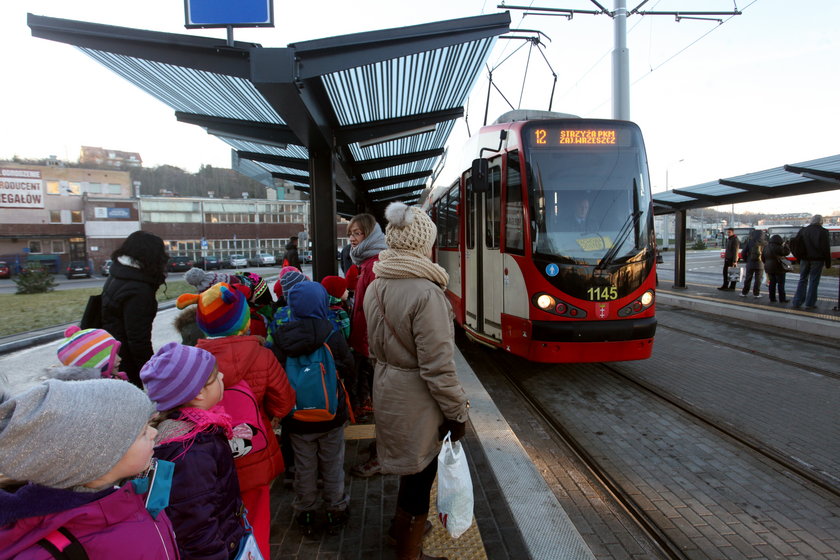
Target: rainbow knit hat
[[90, 348], [222, 309]]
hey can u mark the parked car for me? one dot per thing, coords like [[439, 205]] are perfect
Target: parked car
[[262, 259], [77, 269], [306, 257], [5, 270], [179, 264], [209, 262], [238, 261], [105, 269]]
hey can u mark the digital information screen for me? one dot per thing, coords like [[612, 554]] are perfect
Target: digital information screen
[[547, 137], [224, 13]]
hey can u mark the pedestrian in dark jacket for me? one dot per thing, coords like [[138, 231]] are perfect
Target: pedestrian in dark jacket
[[66, 464], [291, 257], [318, 446], [774, 253], [730, 258], [752, 255], [193, 432], [129, 305], [816, 254]]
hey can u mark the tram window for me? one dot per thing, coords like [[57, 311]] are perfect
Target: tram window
[[471, 209], [452, 231], [440, 219], [492, 207], [514, 218]]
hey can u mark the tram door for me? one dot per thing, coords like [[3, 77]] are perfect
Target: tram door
[[492, 276], [483, 266], [472, 294]]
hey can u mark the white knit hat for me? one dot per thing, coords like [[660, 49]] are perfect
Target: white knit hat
[[409, 229]]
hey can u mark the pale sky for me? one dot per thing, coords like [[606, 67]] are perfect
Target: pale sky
[[759, 91]]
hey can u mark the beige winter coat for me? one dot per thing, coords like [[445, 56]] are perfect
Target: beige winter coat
[[415, 385]]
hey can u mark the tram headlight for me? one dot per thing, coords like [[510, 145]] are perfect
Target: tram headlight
[[647, 298], [545, 301]]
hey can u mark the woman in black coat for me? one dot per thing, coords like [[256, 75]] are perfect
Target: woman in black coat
[[772, 256], [129, 304]]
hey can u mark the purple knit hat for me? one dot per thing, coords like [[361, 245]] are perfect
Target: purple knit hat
[[176, 374]]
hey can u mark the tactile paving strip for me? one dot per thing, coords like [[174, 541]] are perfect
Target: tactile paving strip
[[438, 542]]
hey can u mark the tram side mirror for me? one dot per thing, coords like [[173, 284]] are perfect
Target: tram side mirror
[[480, 172]]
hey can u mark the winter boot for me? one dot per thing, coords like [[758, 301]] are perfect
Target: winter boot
[[409, 530], [306, 524], [391, 537], [336, 520]]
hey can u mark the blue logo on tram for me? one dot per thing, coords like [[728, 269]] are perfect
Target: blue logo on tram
[[552, 269]]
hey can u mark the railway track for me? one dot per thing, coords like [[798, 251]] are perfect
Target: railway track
[[601, 465]]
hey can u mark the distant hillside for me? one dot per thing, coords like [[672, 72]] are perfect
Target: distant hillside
[[223, 183]]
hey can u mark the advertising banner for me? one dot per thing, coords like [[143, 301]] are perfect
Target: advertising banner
[[21, 188]]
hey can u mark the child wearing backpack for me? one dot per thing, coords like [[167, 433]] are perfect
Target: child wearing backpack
[[317, 438], [67, 450], [193, 433], [336, 287], [223, 315]]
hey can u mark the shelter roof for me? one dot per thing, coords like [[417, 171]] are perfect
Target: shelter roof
[[384, 102], [807, 177]]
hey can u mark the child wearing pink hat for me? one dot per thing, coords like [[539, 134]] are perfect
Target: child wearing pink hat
[[91, 348]]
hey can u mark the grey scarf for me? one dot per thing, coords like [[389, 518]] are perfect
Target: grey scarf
[[369, 247]]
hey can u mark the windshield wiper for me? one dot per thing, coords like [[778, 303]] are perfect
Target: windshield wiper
[[630, 224]]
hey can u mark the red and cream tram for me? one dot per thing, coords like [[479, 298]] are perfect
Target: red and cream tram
[[548, 239]]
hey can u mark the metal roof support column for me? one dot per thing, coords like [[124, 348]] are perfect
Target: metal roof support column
[[679, 248], [322, 212]]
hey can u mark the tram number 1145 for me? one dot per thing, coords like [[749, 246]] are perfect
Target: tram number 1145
[[604, 293]]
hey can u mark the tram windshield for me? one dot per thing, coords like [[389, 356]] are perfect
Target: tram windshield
[[590, 205]]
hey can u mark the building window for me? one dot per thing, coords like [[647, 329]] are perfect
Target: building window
[[55, 216], [93, 188], [76, 216], [114, 189], [57, 246], [34, 246], [74, 187], [52, 187]]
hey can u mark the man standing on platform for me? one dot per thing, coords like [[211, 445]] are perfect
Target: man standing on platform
[[730, 258], [815, 252]]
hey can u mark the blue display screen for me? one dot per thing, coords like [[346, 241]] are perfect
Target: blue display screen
[[221, 13]]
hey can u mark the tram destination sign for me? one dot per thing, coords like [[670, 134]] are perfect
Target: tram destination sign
[[553, 137], [228, 13]]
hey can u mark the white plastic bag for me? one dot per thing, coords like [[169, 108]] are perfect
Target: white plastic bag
[[455, 491]]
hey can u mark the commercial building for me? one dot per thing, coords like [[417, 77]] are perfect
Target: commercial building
[[53, 214]]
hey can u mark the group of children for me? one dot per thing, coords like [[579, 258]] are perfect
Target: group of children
[[89, 462]]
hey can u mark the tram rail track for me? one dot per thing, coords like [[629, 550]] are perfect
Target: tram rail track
[[661, 542], [647, 524], [781, 359]]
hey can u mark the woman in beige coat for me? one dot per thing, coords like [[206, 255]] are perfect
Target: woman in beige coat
[[415, 387]]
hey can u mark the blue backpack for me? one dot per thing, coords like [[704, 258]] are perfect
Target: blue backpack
[[315, 381]]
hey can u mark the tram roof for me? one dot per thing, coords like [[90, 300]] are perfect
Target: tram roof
[[807, 177], [384, 102]]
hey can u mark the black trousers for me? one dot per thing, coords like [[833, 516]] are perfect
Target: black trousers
[[727, 264], [416, 490]]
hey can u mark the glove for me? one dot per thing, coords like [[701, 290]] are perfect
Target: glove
[[457, 429]]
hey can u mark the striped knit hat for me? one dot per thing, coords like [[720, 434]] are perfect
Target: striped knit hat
[[90, 348], [222, 309], [255, 282], [176, 374]]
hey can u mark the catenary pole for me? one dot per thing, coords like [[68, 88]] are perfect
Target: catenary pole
[[621, 63]]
